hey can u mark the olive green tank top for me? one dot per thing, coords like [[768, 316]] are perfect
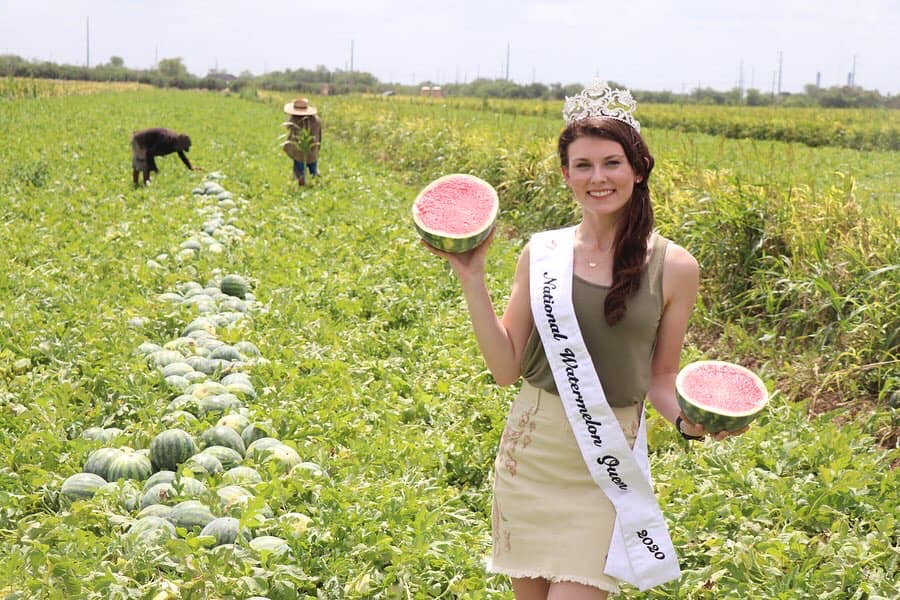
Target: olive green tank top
[[622, 353]]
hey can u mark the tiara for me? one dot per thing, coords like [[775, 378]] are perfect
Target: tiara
[[599, 100]]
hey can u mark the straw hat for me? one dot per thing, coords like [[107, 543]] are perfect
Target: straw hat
[[299, 107]]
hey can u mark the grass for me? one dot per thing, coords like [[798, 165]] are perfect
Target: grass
[[371, 370]]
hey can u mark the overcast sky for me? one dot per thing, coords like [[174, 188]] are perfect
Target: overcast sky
[[644, 44]]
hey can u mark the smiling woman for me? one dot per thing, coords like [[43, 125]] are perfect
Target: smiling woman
[[559, 498]]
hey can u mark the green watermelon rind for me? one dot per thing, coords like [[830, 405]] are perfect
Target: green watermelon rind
[[234, 285], [81, 486], [455, 243], [129, 465], [99, 461], [222, 435], [190, 514], [712, 420], [224, 529], [171, 448]]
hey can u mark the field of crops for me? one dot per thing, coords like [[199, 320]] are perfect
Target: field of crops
[[367, 368]]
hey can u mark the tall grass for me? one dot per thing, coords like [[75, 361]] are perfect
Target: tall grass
[[801, 275], [857, 128]]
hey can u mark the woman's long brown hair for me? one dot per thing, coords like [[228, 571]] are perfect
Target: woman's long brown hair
[[631, 238]]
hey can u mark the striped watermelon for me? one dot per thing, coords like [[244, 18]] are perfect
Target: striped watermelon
[[160, 493], [226, 352], [81, 485], [241, 389], [259, 447], [221, 435], [171, 448], [178, 419], [155, 510], [218, 404], [241, 475], [204, 464], [234, 285], [282, 457], [229, 457], [189, 487], [455, 213], [129, 465], [269, 544], [99, 460], [160, 477], [722, 396], [247, 348], [190, 514], [235, 421], [224, 529], [255, 431], [151, 530], [207, 388], [101, 434], [232, 498]]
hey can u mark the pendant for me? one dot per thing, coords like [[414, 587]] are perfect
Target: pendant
[[592, 264]]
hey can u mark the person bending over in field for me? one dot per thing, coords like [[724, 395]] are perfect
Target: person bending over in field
[[147, 144]]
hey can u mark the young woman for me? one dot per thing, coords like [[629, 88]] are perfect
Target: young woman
[[632, 293]]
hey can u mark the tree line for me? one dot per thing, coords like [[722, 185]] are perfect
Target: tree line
[[171, 72]]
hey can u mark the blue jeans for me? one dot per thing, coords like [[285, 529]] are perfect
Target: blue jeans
[[300, 169]]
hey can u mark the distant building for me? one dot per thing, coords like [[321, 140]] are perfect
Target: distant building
[[436, 91], [425, 91], [220, 75]]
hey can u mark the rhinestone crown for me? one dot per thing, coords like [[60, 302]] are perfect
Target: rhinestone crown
[[599, 100]]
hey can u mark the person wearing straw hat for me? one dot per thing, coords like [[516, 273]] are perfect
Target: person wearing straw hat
[[304, 138]]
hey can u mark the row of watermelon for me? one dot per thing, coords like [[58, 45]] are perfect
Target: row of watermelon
[[210, 377]]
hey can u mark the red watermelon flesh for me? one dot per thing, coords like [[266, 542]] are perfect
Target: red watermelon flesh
[[456, 207], [720, 395], [456, 212]]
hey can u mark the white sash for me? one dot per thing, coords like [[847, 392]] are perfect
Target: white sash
[[641, 552]]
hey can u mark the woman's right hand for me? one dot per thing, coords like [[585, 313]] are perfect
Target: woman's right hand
[[466, 265]]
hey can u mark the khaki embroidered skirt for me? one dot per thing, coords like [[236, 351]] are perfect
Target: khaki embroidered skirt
[[549, 518]]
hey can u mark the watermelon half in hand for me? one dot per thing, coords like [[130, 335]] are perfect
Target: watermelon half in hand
[[455, 213], [721, 396]]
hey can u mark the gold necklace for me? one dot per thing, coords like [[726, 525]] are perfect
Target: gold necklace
[[592, 264]]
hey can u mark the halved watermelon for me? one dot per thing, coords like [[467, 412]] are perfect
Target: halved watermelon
[[722, 396], [455, 213]]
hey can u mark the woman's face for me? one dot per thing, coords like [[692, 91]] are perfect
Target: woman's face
[[599, 174]]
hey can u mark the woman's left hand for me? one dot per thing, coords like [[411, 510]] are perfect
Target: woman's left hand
[[688, 427]]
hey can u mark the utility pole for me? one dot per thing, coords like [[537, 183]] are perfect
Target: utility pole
[[741, 81], [351, 56], [853, 73], [780, 57], [88, 41], [507, 61]]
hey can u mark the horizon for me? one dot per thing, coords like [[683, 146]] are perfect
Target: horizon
[[771, 46]]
